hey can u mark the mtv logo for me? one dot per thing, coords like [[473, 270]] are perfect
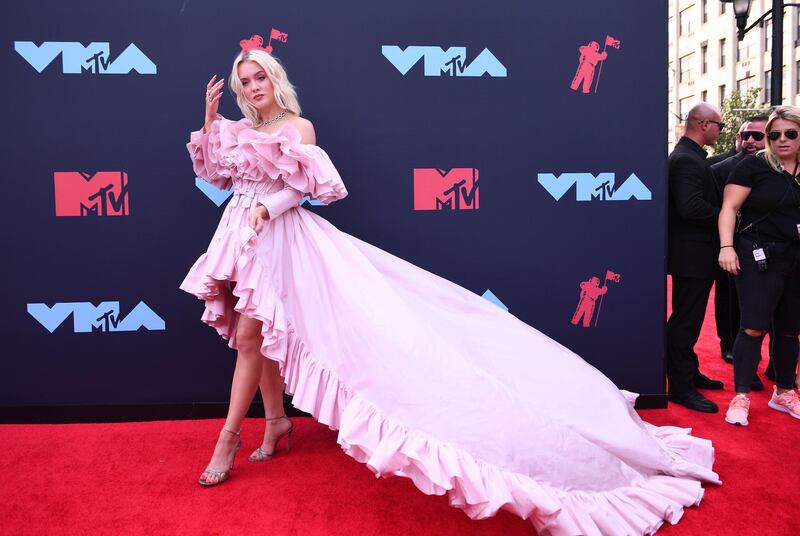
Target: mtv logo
[[438, 62], [589, 187], [105, 317], [435, 189], [81, 194], [77, 59]]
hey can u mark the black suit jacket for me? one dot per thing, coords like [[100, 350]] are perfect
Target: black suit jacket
[[695, 198], [717, 158], [722, 170]]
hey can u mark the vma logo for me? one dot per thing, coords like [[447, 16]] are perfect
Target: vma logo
[[87, 318], [589, 187], [216, 195], [438, 62], [219, 195], [435, 189], [80, 194], [94, 58]]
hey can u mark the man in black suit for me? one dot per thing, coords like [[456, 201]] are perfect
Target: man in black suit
[[695, 199], [717, 158]]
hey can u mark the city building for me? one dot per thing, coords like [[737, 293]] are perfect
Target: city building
[[706, 60]]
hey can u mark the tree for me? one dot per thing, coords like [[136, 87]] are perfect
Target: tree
[[736, 108]]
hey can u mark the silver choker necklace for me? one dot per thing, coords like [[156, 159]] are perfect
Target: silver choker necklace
[[271, 121]]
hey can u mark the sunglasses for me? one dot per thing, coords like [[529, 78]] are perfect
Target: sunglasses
[[747, 134], [720, 124], [775, 135]]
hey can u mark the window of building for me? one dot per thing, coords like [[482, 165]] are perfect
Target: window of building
[[722, 8], [686, 69], [797, 77], [670, 74], [684, 105], [722, 51], [704, 96], [685, 21], [765, 98], [746, 48], [704, 58], [783, 81], [797, 33], [797, 30], [721, 94], [704, 10], [768, 34], [745, 84]]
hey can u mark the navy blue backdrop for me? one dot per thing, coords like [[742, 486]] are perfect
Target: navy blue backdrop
[[100, 98]]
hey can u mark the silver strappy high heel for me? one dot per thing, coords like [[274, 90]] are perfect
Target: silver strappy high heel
[[222, 476], [260, 455]]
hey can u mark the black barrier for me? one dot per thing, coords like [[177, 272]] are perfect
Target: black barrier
[[516, 148]]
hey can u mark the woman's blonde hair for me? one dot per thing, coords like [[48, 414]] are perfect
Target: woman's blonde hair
[[788, 113], [284, 93]]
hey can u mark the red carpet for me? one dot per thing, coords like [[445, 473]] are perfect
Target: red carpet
[[139, 478]]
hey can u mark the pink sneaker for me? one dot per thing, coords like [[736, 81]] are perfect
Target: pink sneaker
[[788, 402], [738, 410]]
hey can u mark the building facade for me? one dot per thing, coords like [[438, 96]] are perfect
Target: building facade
[[706, 60]]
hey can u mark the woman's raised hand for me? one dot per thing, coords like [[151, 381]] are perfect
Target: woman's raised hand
[[213, 94]]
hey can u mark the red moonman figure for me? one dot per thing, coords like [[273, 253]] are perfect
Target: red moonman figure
[[590, 291], [590, 55]]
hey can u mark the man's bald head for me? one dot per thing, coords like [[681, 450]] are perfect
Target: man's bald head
[[703, 124], [702, 112]]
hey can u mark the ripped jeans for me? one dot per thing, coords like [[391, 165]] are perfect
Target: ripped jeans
[[767, 298]]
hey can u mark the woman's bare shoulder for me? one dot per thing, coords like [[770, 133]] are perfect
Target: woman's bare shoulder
[[306, 129]]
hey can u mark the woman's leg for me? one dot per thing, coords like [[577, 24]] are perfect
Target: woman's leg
[[271, 386], [787, 326], [746, 356], [759, 293], [246, 376]]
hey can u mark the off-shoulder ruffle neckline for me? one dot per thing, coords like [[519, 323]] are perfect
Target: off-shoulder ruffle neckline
[[295, 138], [242, 151]]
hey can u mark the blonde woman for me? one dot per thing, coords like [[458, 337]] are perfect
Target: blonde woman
[[763, 252], [269, 102], [422, 378]]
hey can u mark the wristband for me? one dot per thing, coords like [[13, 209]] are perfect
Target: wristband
[[722, 247]]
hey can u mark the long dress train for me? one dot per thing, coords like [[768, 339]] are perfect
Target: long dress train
[[423, 378]]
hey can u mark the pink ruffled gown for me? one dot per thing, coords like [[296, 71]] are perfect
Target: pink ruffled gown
[[423, 378]]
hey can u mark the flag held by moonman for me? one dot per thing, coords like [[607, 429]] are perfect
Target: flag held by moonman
[[611, 42], [278, 35]]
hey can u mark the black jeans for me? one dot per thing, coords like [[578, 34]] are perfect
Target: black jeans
[[726, 311], [769, 297]]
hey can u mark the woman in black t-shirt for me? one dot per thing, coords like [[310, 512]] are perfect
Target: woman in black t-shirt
[[765, 258]]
